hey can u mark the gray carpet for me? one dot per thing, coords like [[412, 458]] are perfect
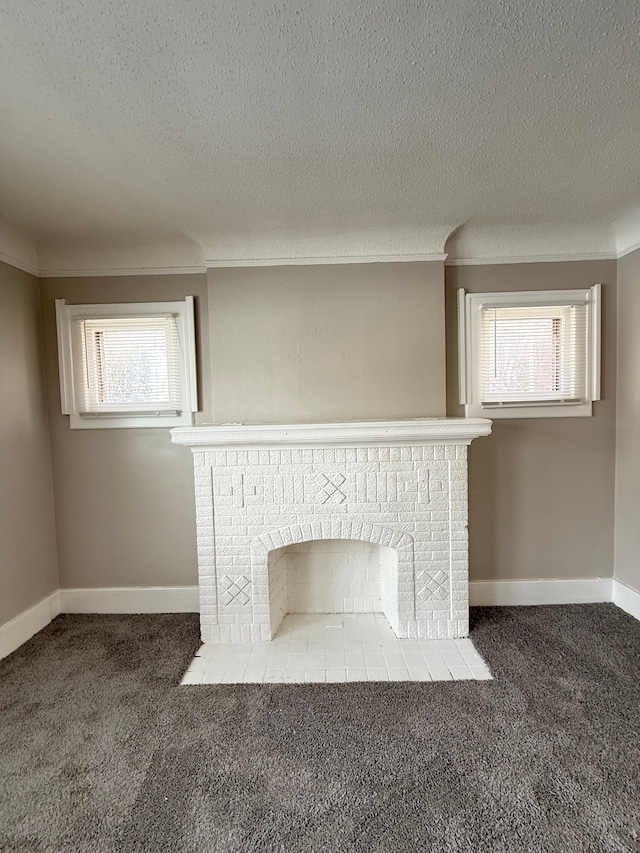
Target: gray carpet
[[100, 750]]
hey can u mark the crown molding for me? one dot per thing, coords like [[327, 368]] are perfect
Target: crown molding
[[88, 273], [19, 264], [627, 233], [17, 247], [221, 263], [531, 259], [628, 250]]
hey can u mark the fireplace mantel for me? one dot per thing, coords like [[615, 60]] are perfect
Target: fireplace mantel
[[423, 431], [401, 485]]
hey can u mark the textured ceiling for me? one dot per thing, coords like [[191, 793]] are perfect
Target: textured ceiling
[[258, 129]]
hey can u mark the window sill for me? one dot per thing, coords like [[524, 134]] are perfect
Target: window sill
[[140, 422], [476, 410]]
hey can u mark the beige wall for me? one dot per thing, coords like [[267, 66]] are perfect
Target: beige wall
[[627, 533], [335, 342], [287, 343], [28, 566], [124, 497], [541, 491], [330, 343]]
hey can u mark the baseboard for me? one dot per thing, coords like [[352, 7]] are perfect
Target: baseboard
[[626, 598], [130, 599], [552, 591], [184, 599], [20, 629]]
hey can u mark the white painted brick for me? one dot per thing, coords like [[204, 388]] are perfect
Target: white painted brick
[[408, 498]]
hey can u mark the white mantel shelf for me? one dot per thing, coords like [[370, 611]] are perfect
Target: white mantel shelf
[[421, 431]]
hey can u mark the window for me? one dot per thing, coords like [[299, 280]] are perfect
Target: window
[[127, 365], [531, 354]]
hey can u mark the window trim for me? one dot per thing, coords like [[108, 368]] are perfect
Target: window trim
[[469, 342], [184, 312]]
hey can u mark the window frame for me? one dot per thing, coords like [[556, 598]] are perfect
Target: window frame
[[470, 307], [185, 323]]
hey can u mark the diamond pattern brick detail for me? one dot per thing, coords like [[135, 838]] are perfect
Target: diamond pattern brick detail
[[234, 590], [330, 488], [432, 585]]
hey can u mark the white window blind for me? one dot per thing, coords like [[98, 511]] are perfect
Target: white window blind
[[534, 354], [128, 364]]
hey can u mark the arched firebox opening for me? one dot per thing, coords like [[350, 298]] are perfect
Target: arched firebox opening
[[332, 576]]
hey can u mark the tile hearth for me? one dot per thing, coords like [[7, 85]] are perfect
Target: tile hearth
[[338, 648]]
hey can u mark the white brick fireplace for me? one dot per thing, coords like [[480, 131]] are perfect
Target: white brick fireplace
[[262, 490]]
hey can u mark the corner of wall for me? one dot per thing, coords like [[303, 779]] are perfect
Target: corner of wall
[[627, 462]]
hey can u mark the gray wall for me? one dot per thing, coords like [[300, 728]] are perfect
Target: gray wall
[[627, 534], [287, 343], [335, 342], [28, 566], [541, 491], [124, 497], [330, 343]]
